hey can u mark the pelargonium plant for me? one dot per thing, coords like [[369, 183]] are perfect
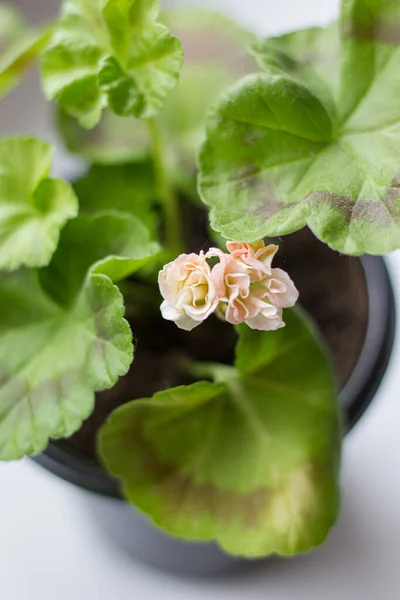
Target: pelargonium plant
[[306, 131]]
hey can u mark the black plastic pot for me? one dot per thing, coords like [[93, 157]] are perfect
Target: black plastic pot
[[132, 532]]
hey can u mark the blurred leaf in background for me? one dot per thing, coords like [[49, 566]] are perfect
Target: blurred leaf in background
[[19, 46]]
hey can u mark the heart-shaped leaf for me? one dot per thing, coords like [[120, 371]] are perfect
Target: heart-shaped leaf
[[263, 177], [250, 461], [33, 207], [112, 54], [52, 360]]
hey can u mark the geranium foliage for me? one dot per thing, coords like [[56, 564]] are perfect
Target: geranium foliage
[[63, 335], [19, 47], [111, 53], [306, 132], [53, 360], [250, 460], [33, 207], [315, 139]]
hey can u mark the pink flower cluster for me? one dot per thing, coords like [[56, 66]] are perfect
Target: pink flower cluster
[[242, 287]]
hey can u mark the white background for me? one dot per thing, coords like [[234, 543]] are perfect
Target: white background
[[50, 550]]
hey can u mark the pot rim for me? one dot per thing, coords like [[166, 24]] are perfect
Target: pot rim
[[354, 398], [376, 352]]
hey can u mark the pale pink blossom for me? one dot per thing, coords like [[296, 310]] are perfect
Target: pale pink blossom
[[242, 287], [255, 256], [248, 288], [188, 291]]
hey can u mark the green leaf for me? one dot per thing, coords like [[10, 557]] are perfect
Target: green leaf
[[12, 24], [265, 132], [310, 56], [124, 95], [33, 207], [208, 69], [370, 48], [181, 125], [52, 360], [263, 178], [250, 461], [18, 47], [112, 244], [112, 53], [126, 188]]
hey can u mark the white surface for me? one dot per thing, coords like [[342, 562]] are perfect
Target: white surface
[[49, 549]]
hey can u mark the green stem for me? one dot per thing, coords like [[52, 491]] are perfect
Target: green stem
[[166, 193], [217, 372]]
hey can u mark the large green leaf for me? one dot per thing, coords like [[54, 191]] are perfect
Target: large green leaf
[[263, 178], [52, 360], [18, 47], [250, 461], [111, 53], [112, 244], [33, 207]]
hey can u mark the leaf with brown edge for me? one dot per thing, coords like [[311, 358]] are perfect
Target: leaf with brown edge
[[259, 181], [250, 461]]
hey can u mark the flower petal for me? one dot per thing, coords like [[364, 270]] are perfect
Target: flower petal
[[264, 323], [266, 255], [169, 312], [186, 323], [288, 298]]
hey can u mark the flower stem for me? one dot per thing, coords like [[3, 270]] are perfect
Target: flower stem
[[166, 193], [217, 372]]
